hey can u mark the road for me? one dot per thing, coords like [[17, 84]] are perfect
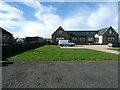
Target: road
[[61, 74]]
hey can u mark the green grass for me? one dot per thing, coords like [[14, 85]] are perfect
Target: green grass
[[116, 49], [54, 53]]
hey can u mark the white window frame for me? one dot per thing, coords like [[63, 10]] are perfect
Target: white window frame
[[74, 39], [90, 39], [82, 39], [110, 39], [110, 32]]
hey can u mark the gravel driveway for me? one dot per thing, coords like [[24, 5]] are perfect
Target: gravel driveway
[[103, 48], [73, 74]]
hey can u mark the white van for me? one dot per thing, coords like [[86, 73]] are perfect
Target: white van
[[66, 43]]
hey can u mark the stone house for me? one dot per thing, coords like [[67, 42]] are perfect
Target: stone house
[[5, 37], [101, 36]]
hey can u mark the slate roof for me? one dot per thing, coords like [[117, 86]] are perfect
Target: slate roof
[[82, 33], [60, 28], [88, 33], [102, 31], [4, 31]]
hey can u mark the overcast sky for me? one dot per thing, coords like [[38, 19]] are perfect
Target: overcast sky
[[34, 18]]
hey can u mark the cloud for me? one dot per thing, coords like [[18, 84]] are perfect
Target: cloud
[[10, 16], [44, 14], [35, 29], [10, 13], [32, 29], [33, 4], [47, 16], [105, 15], [48, 20]]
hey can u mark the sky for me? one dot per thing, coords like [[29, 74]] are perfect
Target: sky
[[35, 18]]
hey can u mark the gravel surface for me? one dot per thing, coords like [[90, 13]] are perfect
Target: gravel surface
[[103, 48], [73, 74]]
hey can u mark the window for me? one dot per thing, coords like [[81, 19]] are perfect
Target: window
[[90, 39], [110, 39], [110, 32], [82, 39], [74, 39], [60, 32], [96, 40]]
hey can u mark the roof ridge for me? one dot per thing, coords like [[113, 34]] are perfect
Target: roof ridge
[[5, 30], [82, 31], [103, 28]]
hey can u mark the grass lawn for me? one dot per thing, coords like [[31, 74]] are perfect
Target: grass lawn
[[54, 53], [116, 49]]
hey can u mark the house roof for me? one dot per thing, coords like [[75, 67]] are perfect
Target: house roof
[[102, 31], [4, 31], [88, 33], [82, 33], [35, 37], [60, 28]]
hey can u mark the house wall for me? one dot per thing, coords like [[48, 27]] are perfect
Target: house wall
[[106, 35], [79, 39], [68, 37], [74, 39], [7, 38], [0, 36], [84, 40], [56, 35], [91, 42], [100, 38]]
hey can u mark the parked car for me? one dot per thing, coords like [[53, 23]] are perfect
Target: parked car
[[66, 43], [115, 44]]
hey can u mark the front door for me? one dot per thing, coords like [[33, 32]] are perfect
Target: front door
[[96, 40]]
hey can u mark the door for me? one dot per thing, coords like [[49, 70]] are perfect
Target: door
[[96, 40]]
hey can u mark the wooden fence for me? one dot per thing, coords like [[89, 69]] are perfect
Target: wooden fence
[[14, 49]]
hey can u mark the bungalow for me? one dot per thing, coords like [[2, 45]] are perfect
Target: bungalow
[[101, 36], [5, 36]]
